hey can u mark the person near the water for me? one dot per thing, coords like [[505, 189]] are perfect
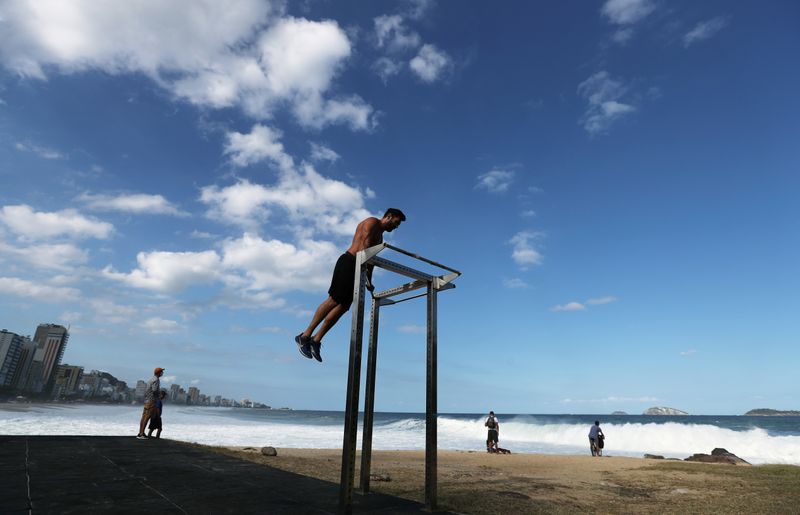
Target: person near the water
[[494, 429], [151, 392], [596, 437], [155, 418], [369, 233]]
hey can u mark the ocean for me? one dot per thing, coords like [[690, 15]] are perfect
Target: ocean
[[759, 440]]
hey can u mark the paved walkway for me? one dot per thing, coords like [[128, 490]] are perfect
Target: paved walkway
[[95, 474]]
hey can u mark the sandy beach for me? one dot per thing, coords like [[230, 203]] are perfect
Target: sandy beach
[[480, 483]]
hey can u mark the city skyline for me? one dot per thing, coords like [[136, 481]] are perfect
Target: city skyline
[[617, 181]]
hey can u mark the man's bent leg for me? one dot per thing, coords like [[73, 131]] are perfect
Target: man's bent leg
[[333, 316], [322, 312]]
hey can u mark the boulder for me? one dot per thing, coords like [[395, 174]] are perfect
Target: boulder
[[718, 455], [269, 451], [380, 477], [653, 457]]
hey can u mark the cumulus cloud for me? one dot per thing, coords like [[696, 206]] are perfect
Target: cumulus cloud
[[43, 152], [109, 311], [34, 225], [704, 30], [387, 67], [393, 35], [627, 12], [262, 143], [323, 153], [578, 306], [524, 253], [57, 256], [158, 325], [248, 54], [38, 291], [515, 283], [139, 203], [430, 63], [569, 306], [279, 266], [312, 202], [495, 180], [690, 352], [170, 272], [603, 93]]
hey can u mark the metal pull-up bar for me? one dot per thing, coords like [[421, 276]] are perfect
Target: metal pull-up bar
[[433, 284]]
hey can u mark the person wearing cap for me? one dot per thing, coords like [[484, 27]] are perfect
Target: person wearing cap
[[369, 233], [150, 395], [494, 428]]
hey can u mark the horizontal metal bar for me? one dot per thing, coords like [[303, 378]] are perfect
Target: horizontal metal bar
[[400, 289], [391, 302], [401, 269], [417, 256]]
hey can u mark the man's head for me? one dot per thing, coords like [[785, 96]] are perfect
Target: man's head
[[392, 218], [597, 422], [491, 413], [158, 371]]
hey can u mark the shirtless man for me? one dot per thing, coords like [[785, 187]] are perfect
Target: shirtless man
[[340, 295]]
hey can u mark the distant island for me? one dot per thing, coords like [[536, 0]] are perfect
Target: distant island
[[664, 411], [619, 413], [766, 412]]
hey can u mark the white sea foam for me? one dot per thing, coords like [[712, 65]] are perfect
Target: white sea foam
[[219, 426]]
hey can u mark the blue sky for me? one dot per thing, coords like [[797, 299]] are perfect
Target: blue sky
[[618, 182]]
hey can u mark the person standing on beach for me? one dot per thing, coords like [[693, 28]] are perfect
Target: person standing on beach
[[494, 429], [155, 419], [369, 233], [150, 393], [596, 436]]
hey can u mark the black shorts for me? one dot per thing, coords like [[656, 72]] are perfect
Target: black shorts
[[343, 281], [155, 422], [492, 436]]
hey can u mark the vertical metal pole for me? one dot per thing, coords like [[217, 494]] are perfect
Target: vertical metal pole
[[369, 397], [353, 383], [431, 409]]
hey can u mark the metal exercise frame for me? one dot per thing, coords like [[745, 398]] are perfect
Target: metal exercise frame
[[432, 284]]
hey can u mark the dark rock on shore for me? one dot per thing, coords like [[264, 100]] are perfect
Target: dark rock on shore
[[718, 455], [269, 451], [653, 457], [766, 412]]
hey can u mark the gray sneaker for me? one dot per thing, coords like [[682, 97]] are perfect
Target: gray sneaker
[[315, 348], [303, 345]]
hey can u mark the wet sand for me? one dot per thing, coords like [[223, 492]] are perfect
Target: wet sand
[[481, 483]]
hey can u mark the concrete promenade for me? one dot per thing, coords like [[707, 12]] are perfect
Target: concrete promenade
[[94, 474]]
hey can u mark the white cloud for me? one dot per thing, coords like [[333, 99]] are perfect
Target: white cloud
[[528, 213], [392, 34], [690, 352], [108, 311], [43, 152], [312, 202], [623, 35], [704, 30], [32, 225], [262, 143], [495, 180], [139, 203], [58, 256], [323, 153], [601, 301], [430, 63], [603, 94], [170, 272], [194, 382], [157, 325], [577, 306], [569, 306], [515, 283], [279, 266], [386, 68], [524, 253], [627, 12], [37, 291], [212, 54]]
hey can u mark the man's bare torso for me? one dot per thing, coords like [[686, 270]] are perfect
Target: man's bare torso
[[369, 233]]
